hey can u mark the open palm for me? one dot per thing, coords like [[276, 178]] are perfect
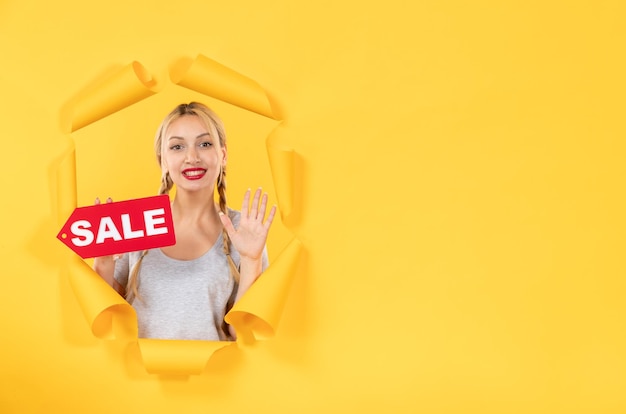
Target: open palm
[[250, 236]]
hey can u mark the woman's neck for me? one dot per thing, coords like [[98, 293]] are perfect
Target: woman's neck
[[194, 207]]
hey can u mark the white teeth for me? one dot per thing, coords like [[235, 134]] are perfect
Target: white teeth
[[193, 173]]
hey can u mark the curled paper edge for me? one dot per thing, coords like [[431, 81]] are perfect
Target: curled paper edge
[[257, 314], [66, 186], [213, 79], [177, 357], [108, 314], [127, 86], [282, 162]]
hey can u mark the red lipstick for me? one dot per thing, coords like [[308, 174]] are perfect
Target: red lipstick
[[194, 173]]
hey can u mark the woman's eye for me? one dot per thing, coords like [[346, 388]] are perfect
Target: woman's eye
[[206, 144], [176, 147]]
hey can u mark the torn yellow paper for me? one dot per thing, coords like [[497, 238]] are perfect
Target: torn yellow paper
[[108, 314], [66, 187], [178, 357], [282, 164], [123, 88], [213, 79], [258, 312]]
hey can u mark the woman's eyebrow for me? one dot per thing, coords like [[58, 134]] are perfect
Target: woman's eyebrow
[[198, 137]]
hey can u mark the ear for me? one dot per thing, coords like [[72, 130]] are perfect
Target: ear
[[224, 156]]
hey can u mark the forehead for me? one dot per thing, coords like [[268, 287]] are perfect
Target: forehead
[[187, 126]]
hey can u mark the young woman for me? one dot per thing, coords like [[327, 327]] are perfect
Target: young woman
[[183, 291]]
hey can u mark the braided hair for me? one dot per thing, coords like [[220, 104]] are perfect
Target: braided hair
[[216, 128]]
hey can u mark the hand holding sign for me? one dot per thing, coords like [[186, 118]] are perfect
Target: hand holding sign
[[120, 227], [113, 257]]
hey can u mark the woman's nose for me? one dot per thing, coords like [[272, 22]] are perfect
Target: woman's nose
[[192, 156]]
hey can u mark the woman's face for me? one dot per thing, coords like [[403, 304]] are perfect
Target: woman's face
[[192, 155]]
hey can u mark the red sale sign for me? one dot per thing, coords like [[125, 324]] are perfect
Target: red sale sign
[[120, 227]]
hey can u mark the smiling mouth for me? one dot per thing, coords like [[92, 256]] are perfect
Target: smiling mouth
[[194, 174]]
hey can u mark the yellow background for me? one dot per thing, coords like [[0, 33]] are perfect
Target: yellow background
[[460, 172]]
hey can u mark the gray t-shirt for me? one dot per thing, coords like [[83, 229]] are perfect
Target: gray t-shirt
[[183, 299]]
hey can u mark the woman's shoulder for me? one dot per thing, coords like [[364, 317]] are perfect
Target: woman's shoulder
[[132, 257]]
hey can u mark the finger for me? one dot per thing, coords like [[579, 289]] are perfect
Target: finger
[[270, 217], [263, 207], [98, 202], [245, 206], [228, 225], [255, 203]]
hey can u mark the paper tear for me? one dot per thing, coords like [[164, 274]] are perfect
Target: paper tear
[[258, 312], [282, 162], [108, 314], [161, 356], [255, 315], [123, 88], [213, 79], [66, 186]]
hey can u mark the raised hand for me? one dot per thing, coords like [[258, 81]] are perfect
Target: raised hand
[[250, 237]]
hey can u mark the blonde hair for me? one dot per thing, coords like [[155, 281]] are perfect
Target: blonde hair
[[216, 128]]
